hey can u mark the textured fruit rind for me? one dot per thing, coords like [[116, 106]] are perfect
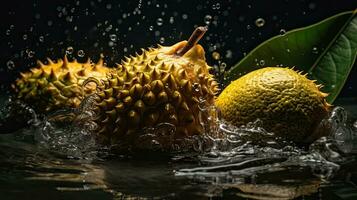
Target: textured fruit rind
[[58, 84], [289, 104], [155, 87]]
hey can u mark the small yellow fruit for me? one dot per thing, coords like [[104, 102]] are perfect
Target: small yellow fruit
[[58, 84], [289, 104]]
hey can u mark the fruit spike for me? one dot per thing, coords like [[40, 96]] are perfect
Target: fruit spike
[[58, 84], [155, 87]]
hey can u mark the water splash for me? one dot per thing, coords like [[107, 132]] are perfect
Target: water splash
[[250, 151], [69, 132]]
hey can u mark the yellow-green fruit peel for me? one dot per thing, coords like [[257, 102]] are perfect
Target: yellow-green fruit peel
[[58, 84], [154, 87], [289, 104]]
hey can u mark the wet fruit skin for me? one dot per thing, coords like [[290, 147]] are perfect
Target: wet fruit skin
[[156, 86], [289, 104], [58, 85]]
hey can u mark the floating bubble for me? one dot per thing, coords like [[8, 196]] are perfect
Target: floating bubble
[[162, 40], [184, 16], [80, 53], [24, 37], [159, 21], [151, 28], [260, 22]]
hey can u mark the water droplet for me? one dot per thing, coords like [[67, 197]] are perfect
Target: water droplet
[[216, 6], [207, 19], [216, 55], [159, 21], [69, 18], [41, 38], [80, 53], [315, 50], [69, 50], [312, 6], [184, 16], [248, 27], [162, 40], [223, 66], [261, 62], [8, 32], [229, 54], [260, 22], [30, 54], [10, 64], [113, 37], [282, 31], [151, 28], [111, 43], [171, 20], [196, 87], [24, 37]]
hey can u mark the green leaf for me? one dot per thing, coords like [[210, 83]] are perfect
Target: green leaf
[[326, 50]]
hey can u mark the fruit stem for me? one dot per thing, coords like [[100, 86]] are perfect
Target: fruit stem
[[193, 40]]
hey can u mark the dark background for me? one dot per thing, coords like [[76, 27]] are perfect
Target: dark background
[[37, 29]]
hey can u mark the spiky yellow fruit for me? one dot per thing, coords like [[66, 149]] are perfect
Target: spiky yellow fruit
[[289, 104], [58, 84], [156, 86]]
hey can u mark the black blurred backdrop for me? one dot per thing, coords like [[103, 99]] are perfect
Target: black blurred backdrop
[[36, 29]]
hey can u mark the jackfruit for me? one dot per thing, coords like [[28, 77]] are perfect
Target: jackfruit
[[58, 84], [157, 86]]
